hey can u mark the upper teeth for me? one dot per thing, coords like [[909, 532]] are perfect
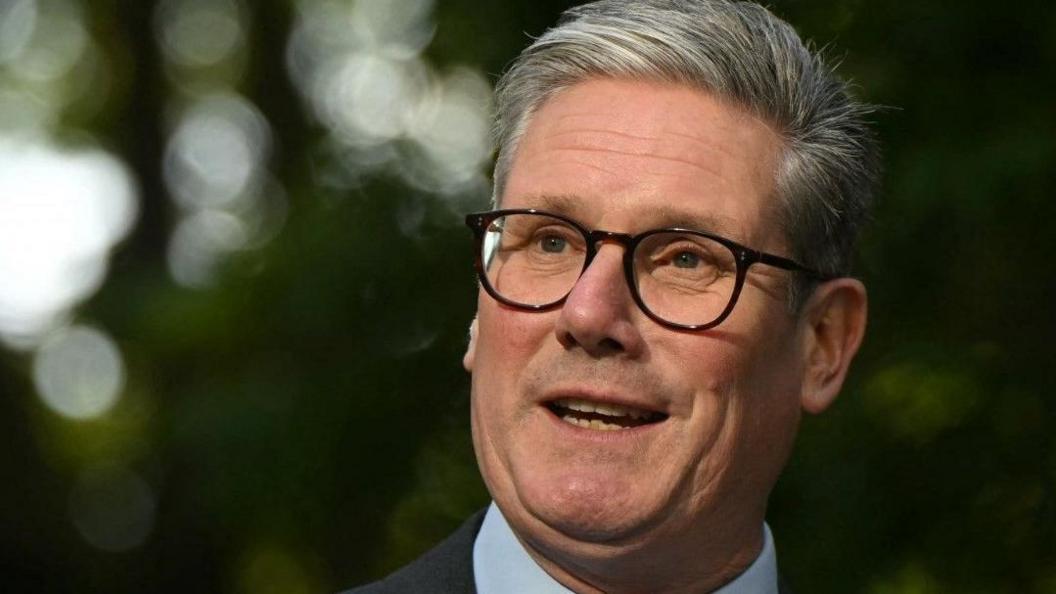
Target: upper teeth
[[602, 408]]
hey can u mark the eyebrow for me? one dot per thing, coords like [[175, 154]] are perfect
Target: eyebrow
[[564, 204], [662, 216], [670, 216]]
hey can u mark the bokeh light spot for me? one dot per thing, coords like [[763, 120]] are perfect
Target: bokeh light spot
[[58, 41], [62, 212], [216, 155], [272, 570], [199, 33], [215, 171], [112, 508], [368, 98], [919, 402], [17, 22], [912, 578], [79, 373], [359, 66], [451, 127], [399, 28], [198, 244]]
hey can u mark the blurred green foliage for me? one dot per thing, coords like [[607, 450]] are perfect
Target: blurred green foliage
[[304, 423]]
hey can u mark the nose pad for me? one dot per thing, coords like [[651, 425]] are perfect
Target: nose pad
[[599, 314]]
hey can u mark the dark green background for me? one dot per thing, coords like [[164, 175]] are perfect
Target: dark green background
[[296, 446]]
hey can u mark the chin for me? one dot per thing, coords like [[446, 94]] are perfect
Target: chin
[[590, 509]]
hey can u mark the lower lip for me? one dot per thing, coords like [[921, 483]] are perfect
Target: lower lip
[[600, 435]]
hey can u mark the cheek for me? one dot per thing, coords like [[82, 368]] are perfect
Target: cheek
[[767, 408], [507, 339], [506, 342], [747, 400], [709, 367]]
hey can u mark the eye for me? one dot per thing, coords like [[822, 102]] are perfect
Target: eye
[[686, 260], [553, 244]]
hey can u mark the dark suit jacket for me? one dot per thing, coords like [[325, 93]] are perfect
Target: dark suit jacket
[[446, 569]]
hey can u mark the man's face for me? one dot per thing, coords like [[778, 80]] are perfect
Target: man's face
[[628, 157]]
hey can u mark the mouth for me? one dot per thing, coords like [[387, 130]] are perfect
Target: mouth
[[602, 416]]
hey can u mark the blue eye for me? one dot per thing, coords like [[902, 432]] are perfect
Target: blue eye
[[686, 260], [553, 244]]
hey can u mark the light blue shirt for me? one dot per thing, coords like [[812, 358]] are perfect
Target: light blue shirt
[[502, 566]]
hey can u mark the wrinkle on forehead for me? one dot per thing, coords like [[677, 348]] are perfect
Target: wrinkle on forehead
[[660, 129], [664, 118], [653, 135], [587, 142]]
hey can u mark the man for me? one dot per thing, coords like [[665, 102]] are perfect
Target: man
[[662, 292]]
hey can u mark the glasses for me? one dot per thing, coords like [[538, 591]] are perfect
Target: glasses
[[690, 280]]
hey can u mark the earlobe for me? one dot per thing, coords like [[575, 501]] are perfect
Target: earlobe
[[471, 348], [836, 318]]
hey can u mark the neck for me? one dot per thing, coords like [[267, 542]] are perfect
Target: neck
[[685, 569]]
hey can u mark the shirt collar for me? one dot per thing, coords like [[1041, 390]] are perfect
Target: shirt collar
[[502, 566]]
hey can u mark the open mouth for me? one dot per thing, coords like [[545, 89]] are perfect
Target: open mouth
[[602, 416]]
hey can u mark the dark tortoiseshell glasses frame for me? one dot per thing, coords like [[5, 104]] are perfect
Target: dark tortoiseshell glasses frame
[[744, 256]]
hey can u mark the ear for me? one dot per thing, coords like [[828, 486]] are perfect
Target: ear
[[471, 349], [835, 316]]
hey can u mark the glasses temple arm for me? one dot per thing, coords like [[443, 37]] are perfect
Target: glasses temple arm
[[787, 264]]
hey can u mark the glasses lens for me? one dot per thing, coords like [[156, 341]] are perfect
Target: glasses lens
[[532, 259], [685, 278]]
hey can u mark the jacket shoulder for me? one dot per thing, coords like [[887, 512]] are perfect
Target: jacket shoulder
[[447, 568]]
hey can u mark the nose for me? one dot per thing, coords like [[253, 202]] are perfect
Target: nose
[[599, 315]]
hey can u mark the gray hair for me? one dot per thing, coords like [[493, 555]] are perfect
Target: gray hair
[[742, 52]]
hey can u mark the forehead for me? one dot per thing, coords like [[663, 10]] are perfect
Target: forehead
[[642, 154]]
